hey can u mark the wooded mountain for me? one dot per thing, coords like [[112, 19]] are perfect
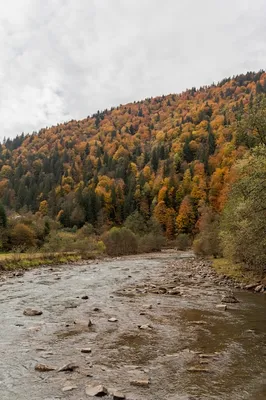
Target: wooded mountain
[[165, 157]]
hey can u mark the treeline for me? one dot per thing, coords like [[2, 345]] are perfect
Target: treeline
[[36, 234]]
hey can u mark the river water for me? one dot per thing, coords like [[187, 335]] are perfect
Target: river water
[[184, 331]]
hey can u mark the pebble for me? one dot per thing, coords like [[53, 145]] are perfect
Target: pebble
[[118, 395], [222, 307], [145, 327], [43, 368], [259, 288], [207, 355], [198, 369], [68, 388], [31, 312], [70, 367], [141, 383], [86, 350], [98, 391], [251, 286], [87, 323], [174, 292], [229, 299]]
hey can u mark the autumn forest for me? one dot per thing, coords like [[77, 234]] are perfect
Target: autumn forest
[[163, 160]]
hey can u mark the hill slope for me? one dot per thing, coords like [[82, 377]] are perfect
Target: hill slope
[[163, 156]]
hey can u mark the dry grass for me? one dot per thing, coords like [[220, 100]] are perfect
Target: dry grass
[[15, 261], [234, 270]]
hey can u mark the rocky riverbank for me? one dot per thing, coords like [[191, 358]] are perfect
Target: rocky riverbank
[[180, 276], [159, 326]]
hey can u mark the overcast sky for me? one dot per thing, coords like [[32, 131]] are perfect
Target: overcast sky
[[64, 59]]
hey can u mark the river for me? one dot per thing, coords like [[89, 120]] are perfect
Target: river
[[227, 349]]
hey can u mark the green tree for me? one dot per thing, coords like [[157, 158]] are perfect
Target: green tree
[[243, 225], [136, 223], [251, 130]]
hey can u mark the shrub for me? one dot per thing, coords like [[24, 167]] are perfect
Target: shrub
[[207, 242], [22, 236], [70, 242], [151, 242], [86, 231], [120, 241], [182, 241]]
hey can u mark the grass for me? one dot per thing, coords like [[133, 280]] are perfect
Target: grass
[[15, 261], [235, 271]]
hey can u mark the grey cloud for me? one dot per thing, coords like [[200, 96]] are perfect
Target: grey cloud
[[64, 59]]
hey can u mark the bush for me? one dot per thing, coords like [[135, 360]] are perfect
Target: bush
[[86, 231], [151, 242], [207, 242], [70, 242], [22, 236], [120, 241], [182, 241]]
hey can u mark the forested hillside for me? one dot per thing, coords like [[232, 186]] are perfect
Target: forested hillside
[[165, 157]]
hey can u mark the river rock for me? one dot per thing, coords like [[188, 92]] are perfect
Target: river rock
[[68, 388], [68, 367], [112, 319], [86, 350], [222, 307], [211, 355], [118, 395], [229, 298], [251, 286], [44, 368], [148, 306], [83, 322], [259, 288], [145, 326], [19, 273], [98, 391], [174, 292], [31, 312], [71, 305], [140, 382], [198, 369]]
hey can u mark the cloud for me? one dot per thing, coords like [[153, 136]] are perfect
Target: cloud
[[64, 59]]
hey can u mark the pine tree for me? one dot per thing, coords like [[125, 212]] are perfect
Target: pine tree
[[3, 217]]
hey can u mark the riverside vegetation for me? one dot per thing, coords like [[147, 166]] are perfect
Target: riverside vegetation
[[173, 170]]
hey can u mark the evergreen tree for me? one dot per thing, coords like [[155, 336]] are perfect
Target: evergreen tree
[[3, 217]]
